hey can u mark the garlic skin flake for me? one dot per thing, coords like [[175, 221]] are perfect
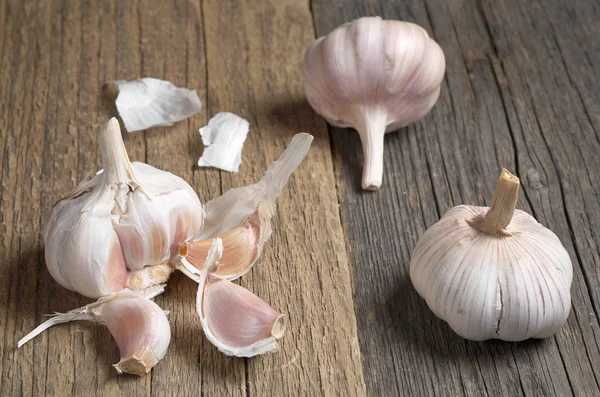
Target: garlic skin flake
[[223, 140], [149, 102], [235, 320], [122, 227], [242, 216], [376, 76], [137, 324], [494, 273]]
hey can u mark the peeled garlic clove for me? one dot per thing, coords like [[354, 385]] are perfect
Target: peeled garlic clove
[[235, 320], [223, 140], [376, 76], [122, 227], [494, 273], [138, 325], [242, 216], [149, 102]]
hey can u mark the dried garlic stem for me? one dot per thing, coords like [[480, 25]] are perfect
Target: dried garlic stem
[[504, 201], [116, 163], [371, 129]]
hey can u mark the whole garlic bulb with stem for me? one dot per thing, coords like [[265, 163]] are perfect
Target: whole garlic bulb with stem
[[494, 272], [376, 76], [122, 227], [137, 324]]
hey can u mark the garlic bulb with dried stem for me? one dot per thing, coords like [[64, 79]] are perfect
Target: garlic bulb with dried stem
[[137, 324], [235, 320], [122, 227], [242, 216], [376, 76], [494, 272]]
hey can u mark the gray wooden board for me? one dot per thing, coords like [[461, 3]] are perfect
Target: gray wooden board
[[520, 92]]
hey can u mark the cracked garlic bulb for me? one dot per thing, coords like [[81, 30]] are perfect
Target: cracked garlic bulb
[[494, 273], [374, 75], [122, 227]]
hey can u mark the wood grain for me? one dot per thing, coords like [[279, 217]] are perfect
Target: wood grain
[[520, 92], [253, 71], [54, 96], [513, 97]]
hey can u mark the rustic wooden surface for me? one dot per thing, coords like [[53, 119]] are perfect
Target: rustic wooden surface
[[520, 92]]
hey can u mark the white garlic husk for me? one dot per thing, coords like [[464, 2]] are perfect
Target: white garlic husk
[[494, 273], [122, 227], [138, 325], [374, 75], [242, 216], [149, 102]]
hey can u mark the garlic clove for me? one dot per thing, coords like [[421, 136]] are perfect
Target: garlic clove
[[223, 140], [494, 272], [138, 325], [242, 216], [83, 252], [150, 102], [241, 248], [374, 75], [235, 320]]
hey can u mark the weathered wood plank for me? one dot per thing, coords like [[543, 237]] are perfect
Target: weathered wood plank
[[453, 157], [253, 51]]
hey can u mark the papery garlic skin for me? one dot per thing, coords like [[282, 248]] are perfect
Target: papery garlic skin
[[374, 75], [124, 220], [138, 325], [150, 102], [510, 282], [223, 140], [242, 216]]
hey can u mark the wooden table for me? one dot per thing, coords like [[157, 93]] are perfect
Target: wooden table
[[521, 92]]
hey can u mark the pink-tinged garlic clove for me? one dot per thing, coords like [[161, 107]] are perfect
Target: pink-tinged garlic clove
[[242, 216], [238, 319], [138, 325], [241, 248], [376, 76], [235, 320]]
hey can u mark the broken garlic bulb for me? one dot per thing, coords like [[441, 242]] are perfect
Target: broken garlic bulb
[[494, 272], [376, 76], [242, 216], [235, 320], [137, 324], [122, 227]]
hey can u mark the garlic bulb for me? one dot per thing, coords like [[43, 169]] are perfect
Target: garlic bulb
[[375, 76], [137, 324], [242, 216], [235, 320], [494, 272], [122, 227]]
